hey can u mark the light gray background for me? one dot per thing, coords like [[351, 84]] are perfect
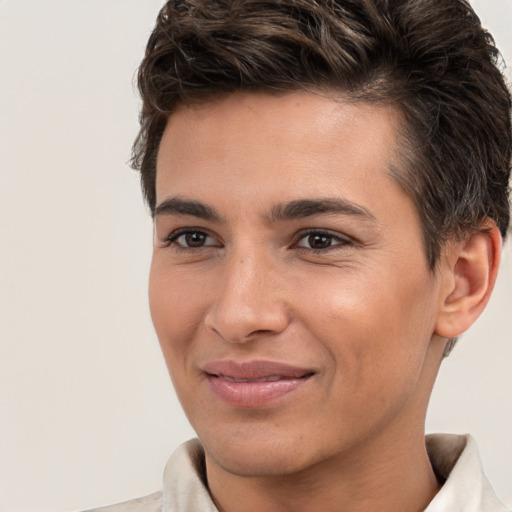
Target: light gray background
[[88, 416]]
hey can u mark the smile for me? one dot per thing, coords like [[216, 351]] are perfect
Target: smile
[[254, 384]]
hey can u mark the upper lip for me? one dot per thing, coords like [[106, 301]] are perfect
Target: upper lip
[[257, 369]]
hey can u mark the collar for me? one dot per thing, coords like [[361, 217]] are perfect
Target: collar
[[454, 458]]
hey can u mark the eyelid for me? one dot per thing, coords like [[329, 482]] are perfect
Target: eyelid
[[171, 238], [343, 239]]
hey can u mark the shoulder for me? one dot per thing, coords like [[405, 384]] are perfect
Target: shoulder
[[151, 503], [184, 485]]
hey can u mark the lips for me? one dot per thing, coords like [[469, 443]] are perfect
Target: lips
[[254, 383]]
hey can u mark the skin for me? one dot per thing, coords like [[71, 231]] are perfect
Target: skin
[[362, 310]]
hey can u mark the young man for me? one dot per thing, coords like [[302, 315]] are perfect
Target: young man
[[329, 186]]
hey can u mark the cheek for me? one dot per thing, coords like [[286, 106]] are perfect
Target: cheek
[[376, 330], [175, 308]]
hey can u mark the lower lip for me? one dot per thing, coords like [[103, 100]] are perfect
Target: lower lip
[[253, 394]]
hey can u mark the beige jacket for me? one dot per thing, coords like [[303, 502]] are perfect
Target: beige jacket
[[453, 457]]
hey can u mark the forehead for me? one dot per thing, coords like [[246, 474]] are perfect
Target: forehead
[[289, 118]]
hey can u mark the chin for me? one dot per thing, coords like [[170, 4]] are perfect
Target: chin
[[264, 453], [256, 462]]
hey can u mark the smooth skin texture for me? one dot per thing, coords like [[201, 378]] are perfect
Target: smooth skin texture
[[238, 275]]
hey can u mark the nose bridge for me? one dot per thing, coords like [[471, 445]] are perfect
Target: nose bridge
[[248, 300]]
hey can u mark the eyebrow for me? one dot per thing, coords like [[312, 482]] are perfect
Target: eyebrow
[[302, 208], [297, 209], [179, 206]]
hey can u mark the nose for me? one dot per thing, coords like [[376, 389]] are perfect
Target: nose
[[249, 301]]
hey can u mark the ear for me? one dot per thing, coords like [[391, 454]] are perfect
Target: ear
[[468, 270]]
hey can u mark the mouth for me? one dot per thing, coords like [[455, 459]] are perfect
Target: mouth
[[254, 384]]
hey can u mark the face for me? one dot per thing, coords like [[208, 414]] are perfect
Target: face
[[289, 287]]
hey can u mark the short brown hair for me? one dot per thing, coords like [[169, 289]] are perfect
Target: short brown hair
[[430, 58]]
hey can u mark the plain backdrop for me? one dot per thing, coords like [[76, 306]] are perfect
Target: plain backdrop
[[87, 412]]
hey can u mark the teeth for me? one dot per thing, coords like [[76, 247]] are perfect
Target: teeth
[[272, 378]]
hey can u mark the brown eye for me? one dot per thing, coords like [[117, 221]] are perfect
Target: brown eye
[[318, 241], [192, 240]]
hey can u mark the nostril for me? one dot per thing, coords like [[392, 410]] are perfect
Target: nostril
[[260, 332]]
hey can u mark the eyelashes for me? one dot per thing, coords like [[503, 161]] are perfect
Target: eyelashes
[[310, 240], [321, 240], [191, 239]]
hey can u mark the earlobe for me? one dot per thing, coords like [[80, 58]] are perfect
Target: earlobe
[[469, 271]]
